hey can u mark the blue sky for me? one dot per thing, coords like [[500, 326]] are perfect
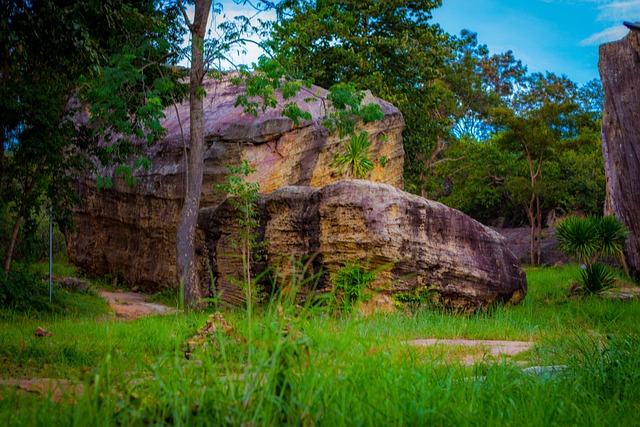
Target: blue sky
[[547, 35], [561, 36]]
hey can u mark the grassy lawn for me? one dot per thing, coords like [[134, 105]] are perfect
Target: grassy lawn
[[310, 368]]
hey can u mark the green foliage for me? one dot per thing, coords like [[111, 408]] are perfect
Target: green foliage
[[596, 278], [244, 196], [343, 109], [24, 291], [354, 160], [319, 369], [346, 103], [612, 235], [391, 48], [478, 187], [425, 297], [327, 370], [579, 237], [350, 283], [592, 237], [56, 56], [21, 289], [589, 239]]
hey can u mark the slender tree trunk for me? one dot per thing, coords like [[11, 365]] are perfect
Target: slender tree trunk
[[532, 222], [20, 215], [1, 162], [2, 220], [185, 240], [539, 240], [12, 243]]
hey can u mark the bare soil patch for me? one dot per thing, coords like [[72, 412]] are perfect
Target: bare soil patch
[[131, 305]]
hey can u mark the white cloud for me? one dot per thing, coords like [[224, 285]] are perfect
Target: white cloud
[[612, 12], [605, 36], [627, 10]]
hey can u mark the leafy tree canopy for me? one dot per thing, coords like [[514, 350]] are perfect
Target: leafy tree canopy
[[111, 54], [391, 48]]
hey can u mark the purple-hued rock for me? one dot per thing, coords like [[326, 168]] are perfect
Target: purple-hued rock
[[417, 244], [131, 231]]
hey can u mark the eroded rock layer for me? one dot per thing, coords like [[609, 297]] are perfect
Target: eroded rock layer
[[131, 231], [416, 243], [620, 73]]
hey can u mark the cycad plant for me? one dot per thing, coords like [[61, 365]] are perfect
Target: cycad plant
[[355, 157], [589, 239]]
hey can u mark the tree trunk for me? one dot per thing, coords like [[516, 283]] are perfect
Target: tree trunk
[[185, 240], [619, 65], [532, 222], [23, 208], [1, 162], [539, 225], [12, 243]]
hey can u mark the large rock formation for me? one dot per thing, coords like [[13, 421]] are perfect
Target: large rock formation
[[422, 243], [620, 73], [131, 231]]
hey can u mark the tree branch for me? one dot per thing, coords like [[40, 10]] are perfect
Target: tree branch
[[185, 16]]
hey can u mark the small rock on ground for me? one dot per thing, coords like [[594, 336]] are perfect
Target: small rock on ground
[[493, 347]]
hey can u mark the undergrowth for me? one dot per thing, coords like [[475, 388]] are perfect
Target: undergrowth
[[315, 368]]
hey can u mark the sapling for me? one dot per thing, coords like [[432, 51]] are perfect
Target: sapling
[[244, 196]]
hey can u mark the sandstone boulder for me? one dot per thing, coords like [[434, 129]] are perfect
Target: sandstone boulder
[[424, 244], [620, 73], [130, 232]]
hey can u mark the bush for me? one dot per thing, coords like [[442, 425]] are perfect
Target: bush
[[589, 239], [349, 284], [596, 278], [21, 288]]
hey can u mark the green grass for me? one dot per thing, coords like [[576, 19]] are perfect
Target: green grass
[[60, 269], [318, 369], [168, 297]]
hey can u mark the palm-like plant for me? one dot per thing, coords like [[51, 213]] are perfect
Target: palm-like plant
[[355, 157], [590, 239], [596, 278], [578, 237], [613, 235]]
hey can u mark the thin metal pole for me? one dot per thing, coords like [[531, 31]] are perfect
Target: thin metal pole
[[50, 255]]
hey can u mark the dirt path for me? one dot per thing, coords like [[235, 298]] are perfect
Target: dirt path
[[130, 305]]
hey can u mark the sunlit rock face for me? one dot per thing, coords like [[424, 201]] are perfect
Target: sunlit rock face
[[416, 244], [620, 73], [130, 232]]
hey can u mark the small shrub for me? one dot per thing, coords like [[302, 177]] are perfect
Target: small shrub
[[589, 239], [578, 237], [596, 278], [612, 235], [355, 157], [425, 297], [349, 285], [21, 288]]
